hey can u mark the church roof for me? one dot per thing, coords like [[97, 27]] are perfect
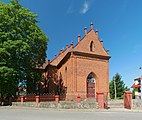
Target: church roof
[[82, 48]]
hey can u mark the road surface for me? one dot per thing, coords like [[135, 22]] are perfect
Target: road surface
[[44, 114]]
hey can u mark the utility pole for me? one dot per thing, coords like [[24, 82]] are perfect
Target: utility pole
[[141, 82], [115, 89]]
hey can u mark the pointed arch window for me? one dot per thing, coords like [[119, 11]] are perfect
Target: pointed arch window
[[92, 46], [91, 78]]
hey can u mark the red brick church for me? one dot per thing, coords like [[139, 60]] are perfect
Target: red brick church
[[81, 69]]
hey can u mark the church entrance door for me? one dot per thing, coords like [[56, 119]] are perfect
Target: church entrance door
[[91, 86]]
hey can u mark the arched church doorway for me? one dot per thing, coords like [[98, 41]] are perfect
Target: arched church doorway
[[91, 85]]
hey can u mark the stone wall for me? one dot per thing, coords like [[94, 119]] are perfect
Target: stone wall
[[137, 103], [115, 103], [85, 104]]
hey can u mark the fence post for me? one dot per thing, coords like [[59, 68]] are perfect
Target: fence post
[[22, 99], [78, 99], [128, 99], [57, 100], [100, 99], [37, 99]]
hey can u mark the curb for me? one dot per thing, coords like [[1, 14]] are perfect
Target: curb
[[78, 110]]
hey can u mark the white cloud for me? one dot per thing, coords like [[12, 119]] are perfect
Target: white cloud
[[80, 8], [85, 7]]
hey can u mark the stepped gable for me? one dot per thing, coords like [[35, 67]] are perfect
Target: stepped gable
[[89, 45], [96, 46], [61, 55], [57, 59]]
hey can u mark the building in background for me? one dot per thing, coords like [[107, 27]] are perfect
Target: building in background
[[137, 88]]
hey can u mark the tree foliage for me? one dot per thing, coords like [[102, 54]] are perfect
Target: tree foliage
[[120, 87], [23, 47]]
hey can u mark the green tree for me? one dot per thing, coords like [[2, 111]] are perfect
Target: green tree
[[23, 47], [117, 87], [133, 93]]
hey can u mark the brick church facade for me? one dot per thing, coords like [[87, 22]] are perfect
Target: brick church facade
[[81, 69]]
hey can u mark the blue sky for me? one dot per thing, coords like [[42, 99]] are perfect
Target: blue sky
[[119, 23]]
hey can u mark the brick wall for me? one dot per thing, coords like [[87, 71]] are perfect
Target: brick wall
[[77, 62]]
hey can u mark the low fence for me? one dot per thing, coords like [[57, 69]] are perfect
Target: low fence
[[42, 98], [61, 100], [56, 101], [78, 103], [60, 105], [32, 98]]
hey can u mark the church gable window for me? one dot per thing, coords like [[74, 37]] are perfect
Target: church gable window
[[92, 46]]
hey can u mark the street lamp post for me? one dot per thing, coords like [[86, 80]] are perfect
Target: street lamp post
[[141, 82], [115, 95]]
